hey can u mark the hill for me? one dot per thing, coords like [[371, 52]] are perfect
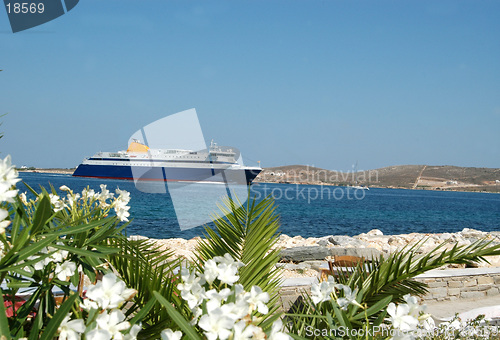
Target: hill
[[400, 176]]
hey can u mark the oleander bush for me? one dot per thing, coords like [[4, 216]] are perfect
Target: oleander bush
[[67, 271]]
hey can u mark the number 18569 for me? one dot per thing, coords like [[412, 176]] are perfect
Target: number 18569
[[25, 7]]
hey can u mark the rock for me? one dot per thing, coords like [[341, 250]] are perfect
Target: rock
[[367, 253], [472, 233], [316, 265], [375, 232], [293, 266], [138, 237], [308, 253], [324, 241], [347, 241], [444, 236]]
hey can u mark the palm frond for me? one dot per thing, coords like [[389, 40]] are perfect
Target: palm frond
[[143, 266], [248, 233], [394, 275]]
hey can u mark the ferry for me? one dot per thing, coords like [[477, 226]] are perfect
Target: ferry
[[139, 162]]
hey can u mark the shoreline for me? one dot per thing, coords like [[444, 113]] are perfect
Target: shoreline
[[71, 171], [49, 171], [300, 255], [379, 187]]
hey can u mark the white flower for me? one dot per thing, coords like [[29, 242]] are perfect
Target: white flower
[[110, 292], [72, 198], [197, 312], [120, 204], [123, 196], [23, 198], [412, 303], [43, 263], [427, 322], [321, 292], [65, 269], [3, 223], [6, 194], [189, 279], [244, 332], [122, 212], [104, 195], [230, 310], [194, 296], [216, 324], [239, 290], [453, 325], [113, 323], [257, 300], [349, 297], [64, 188], [57, 203], [134, 330], [211, 271], [228, 274], [53, 198], [88, 194], [216, 298], [276, 333], [8, 173], [168, 334], [228, 260], [418, 311], [89, 304], [98, 334], [400, 318], [71, 330], [238, 309], [59, 256]]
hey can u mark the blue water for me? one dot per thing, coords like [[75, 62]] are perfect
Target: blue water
[[314, 211]]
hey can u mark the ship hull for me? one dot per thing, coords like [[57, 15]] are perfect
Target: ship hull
[[178, 174]]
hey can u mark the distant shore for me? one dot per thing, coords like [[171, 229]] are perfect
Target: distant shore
[[483, 189], [274, 180], [49, 171]]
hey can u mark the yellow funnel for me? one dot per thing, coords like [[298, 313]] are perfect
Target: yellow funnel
[[137, 147]]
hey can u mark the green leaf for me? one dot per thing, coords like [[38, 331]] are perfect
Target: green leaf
[[79, 251], [143, 312], [178, 318], [297, 337], [51, 329], [4, 322], [37, 324], [26, 252], [375, 308], [82, 227], [42, 214]]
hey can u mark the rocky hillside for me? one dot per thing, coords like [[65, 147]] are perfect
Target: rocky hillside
[[400, 176]]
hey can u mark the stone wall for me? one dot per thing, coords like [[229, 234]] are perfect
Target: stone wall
[[444, 285], [474, 283]]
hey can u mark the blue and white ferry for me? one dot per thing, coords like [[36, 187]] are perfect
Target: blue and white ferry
[[139, 162]]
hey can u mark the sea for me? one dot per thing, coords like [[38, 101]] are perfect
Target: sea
[[311, 211]]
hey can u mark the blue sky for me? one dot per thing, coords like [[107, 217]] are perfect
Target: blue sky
[[323, 83]]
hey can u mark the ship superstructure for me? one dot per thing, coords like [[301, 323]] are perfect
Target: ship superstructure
[[140, 162]]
